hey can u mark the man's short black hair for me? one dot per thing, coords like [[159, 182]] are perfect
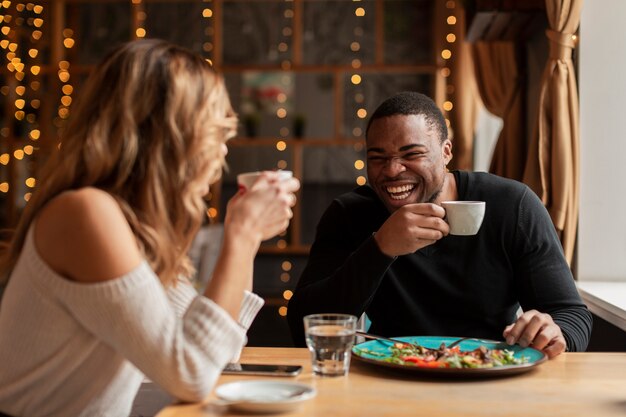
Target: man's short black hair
[[410, 102]]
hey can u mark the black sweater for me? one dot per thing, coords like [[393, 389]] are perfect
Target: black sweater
[[459, 286]]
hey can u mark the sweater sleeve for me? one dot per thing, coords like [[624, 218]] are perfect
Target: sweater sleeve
[[546, 281], [183, 293], [250, 306], [342, 273], [134, 316]]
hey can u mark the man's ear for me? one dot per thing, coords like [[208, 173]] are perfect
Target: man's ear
[[446, 151]]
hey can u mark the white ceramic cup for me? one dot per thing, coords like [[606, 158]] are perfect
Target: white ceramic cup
[[247, 179], [464, 217]]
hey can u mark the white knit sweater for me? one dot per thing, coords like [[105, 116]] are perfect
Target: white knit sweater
[[75, 349]]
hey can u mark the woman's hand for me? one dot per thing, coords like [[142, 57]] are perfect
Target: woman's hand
[[264, 210], [252, 216]]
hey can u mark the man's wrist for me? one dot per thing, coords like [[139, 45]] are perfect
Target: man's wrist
[[392, 257]]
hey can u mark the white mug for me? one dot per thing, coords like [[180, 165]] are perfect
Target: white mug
[[247, 179], [464, 217]]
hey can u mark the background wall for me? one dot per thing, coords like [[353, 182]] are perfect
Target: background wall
[[602, 88]]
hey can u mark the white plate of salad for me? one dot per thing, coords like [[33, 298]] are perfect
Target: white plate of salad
[[429, 355]]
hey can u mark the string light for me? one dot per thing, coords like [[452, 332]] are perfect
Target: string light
[[64, 76], [63, 73], [287, 294], [446, 54], [212, 212], [209, 45], [140, 18], [282, 53], [356, 79], [22, 25]]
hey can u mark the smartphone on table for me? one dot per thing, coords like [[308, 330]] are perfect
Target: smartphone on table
[[261, 369]]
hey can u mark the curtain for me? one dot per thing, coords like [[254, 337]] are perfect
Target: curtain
[[552, 166], [499, 83]]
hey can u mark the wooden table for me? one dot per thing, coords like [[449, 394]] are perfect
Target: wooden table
[[573, 384]]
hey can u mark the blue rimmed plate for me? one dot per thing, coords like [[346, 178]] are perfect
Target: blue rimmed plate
[[376, 352]]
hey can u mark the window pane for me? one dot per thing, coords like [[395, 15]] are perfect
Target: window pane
[[97, 28], [305, 98], [258, 32], [253, 158], [314, 106], [331, 29], [181, 23], [373, 90], [409, 31], [328, 172]]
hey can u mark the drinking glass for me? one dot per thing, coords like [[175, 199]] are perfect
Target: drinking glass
[[329, 338]]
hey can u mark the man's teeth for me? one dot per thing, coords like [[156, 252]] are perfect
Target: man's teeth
[[400, 192]]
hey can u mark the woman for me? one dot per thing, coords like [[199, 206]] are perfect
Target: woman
[[95, 295]]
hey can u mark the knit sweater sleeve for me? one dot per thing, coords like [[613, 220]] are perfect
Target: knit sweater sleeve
[[183, 293], [546, 281], [342, 274], [134, 316]]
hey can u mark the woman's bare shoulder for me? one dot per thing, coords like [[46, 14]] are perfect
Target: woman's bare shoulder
[[83, 235]]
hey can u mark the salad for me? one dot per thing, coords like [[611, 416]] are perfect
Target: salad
[[481, 357]]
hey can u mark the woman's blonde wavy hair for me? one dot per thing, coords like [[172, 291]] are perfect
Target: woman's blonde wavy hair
[[148, 129]]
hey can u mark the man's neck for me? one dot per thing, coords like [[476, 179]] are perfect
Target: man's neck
[[449, 191]]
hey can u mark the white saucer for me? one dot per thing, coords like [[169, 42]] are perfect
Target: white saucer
[[264, 396]]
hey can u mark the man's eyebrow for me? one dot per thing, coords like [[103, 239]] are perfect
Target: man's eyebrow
[[402, 149], [377, 150], [411, 146]]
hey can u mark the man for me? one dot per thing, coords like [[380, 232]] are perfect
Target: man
[[384, 249]]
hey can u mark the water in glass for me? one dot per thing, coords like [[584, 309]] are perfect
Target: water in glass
[[330, 347]]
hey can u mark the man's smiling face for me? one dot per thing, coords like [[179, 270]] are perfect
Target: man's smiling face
[[406, 160]]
